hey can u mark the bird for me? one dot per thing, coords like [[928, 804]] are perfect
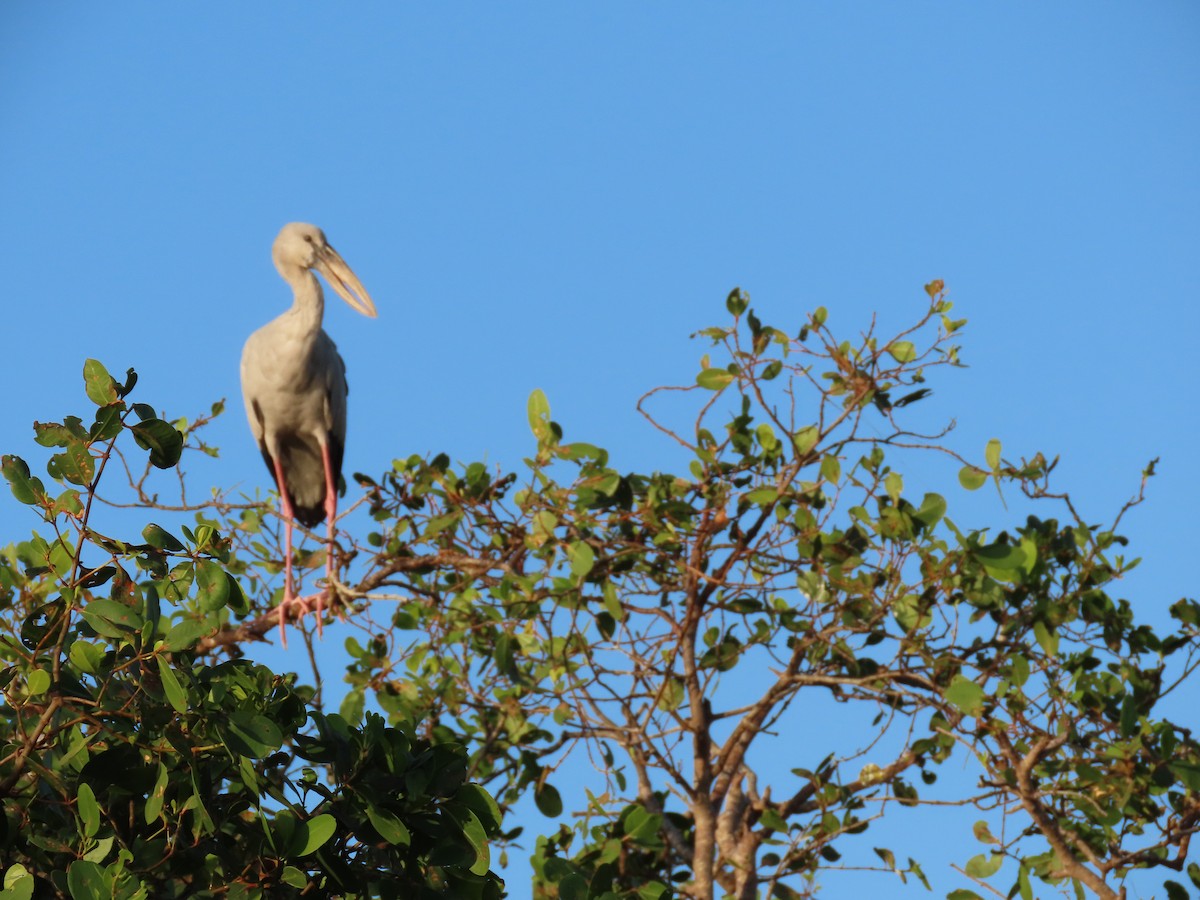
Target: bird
[[294, 387]]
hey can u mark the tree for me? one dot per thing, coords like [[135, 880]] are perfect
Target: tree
[[671, 625], [134, 766]]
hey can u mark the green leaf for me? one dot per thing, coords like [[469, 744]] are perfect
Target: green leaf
[[538, 409], [1004, 561], [502, 653], [972, 478], [714, 379], [112, 619], [1188, 775], [831, 469], [806, 438], [984, 866], [183, 635], [212, 586], [100, 386], [161, 539], [26, 489], [1175, 890], [582, 558], [86, 881], [573, 887], [156, 797], [293, 877], [351, 708], [736, 302], [966, 695], [317, 831], [38, 682], [902, 351], [992, 454], [893, 483], [642, 826], [983, 834], [76, 465], [480, 802], [389, 826], [252, 735], [548, 801], [171, 686], [89, 809], [962, 894], [931, 511], [163, 441], [1047, 639], [86, 656], [473, 831], [1019, 673]]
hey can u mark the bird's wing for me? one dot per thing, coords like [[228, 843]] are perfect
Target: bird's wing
[[333, 370]]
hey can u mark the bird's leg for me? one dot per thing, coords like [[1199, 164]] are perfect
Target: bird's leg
[[288, 593], [330, 518]]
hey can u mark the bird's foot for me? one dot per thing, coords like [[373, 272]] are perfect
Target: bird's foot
[[303, 606]]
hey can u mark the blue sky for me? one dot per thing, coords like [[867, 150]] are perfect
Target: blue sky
[[557, 195]]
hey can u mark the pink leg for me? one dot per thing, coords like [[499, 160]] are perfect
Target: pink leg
[[288, 593], [330, 516]]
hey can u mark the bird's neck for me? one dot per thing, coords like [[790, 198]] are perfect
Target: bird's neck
[[308, 307]]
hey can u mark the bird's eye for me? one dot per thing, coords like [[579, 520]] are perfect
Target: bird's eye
[[308, 237]]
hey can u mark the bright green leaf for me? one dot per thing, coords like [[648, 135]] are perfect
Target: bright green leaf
[[972, 478], [966, 695], [89, 809], [389, 826], [714, 379], [806, 438], [582, 558], [38, 682], [992, 454], [100, 386], [318, 830]]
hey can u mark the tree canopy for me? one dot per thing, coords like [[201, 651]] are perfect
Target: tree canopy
[[673, 626]]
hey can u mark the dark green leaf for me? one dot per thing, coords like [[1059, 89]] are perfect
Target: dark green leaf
[[163, 441], [212, 587], [184, 634], [86, 881], [111, 618], [171, 686], [548, 801], [161, 539]]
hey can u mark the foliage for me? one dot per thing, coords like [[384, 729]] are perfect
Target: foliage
[[132, 767], [677, 627]]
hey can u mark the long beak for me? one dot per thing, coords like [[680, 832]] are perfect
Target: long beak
[[343, 280]]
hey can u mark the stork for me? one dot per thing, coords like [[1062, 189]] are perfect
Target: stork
[[294, 387]]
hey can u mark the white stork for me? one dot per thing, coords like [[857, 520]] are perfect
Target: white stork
[[294, 386]]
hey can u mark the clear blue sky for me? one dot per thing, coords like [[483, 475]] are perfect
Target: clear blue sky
[[556, 195]]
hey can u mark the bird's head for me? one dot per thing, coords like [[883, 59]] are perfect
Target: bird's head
[[302, 246]]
